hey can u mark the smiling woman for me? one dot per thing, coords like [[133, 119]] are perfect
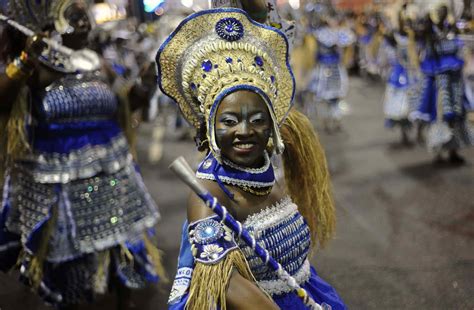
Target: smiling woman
[[243, 128], [232, 81]]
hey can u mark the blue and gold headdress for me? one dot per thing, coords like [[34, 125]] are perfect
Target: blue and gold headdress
[[213, 53]]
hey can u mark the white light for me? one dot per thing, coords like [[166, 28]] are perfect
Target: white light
[[187, 3], [295, 4]]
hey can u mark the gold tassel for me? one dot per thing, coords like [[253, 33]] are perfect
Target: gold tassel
[[155, 257], [35, 269], [412, 53], [125, 118], [348, 56], [307, 176], [17, 143], [101, 275], [210, 282]]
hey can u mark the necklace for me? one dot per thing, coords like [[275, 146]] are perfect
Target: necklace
[[256, 181]]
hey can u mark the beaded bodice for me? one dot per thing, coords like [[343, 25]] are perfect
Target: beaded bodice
[[282, 230], [77, 97]]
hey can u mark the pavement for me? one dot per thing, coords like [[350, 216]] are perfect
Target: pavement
[[405, 234]]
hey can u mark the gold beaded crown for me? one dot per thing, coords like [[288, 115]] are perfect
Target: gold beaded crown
[[213, 53]]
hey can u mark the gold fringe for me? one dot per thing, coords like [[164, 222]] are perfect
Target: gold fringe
[[35, 269], [348, 55], [155, 257], [125, 118], [413, 58], [210, 282], [374, 45], [101, 275], [17, 143], [307, 176]]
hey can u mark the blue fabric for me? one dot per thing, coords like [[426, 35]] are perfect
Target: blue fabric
[[398, 76], [9, 242], [185, 260], [431, 65], [211, 166], [365, 39], [328, 58], [320, 290], [427, 110], [65, 137]]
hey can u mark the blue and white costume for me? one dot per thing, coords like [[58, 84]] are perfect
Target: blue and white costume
[[329, 81], [76, 202], [279, 228], [401, 90], [441, 65]]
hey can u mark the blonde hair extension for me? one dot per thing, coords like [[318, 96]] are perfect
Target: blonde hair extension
[[307, 176]]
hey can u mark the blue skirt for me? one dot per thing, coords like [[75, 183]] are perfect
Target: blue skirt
[[320, 290]]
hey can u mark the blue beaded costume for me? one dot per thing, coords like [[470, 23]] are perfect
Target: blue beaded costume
[[283, 232], [75, 214], [81, 179], [442, 88], [401, 91]]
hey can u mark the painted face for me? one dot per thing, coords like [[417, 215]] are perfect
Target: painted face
[[243, 127], [80, 26]]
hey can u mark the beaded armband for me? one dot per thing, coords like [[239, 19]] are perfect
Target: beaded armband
[[210, 240]]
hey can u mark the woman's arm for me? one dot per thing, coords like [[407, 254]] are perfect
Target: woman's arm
[[243, 294]]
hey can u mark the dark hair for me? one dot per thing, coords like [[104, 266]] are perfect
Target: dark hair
[[202, 143]]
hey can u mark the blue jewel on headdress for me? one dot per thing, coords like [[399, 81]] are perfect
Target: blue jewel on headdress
[[272, 78], [230, 29], [206, 65], [259, 61], [229, 60], [193, 86]]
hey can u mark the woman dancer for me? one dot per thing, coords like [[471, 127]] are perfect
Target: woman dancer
[[329, 81], [401, 89], [232, 81], [75, 213], [442, 97]]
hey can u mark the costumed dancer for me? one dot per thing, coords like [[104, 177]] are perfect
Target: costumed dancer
[[442, 98], [401, 90], [75, 214], [329, 82], [232, 80]]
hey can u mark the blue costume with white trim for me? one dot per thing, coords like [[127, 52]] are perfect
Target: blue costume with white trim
[[80, 178]]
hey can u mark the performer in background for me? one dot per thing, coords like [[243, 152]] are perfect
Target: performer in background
[[401, 91], [232, 80], [75, 214], [329, 81], [441, 103]]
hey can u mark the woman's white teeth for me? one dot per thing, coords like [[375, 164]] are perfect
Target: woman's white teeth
[[244, 146]]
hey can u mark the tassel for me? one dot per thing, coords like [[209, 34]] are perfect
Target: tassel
[[17, 143], [100, 277], [210, 282], [155, 256], [307, 176], [35, 268], [125, 117]]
